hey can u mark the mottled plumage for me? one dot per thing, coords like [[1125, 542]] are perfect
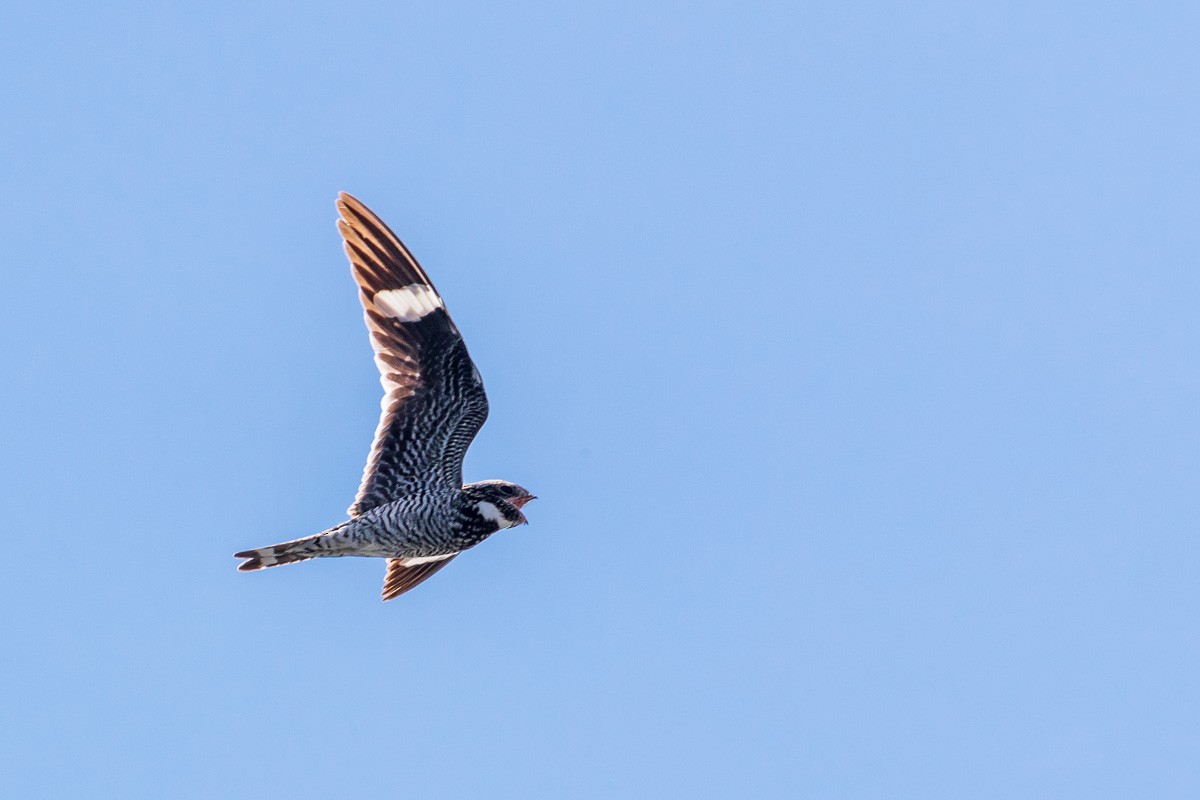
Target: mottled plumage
[[411, 507]]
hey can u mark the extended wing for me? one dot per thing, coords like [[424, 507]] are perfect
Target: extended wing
[[433, 403], [405, 573]]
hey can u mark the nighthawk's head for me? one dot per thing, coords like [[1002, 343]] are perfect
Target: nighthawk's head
[[499, 501]]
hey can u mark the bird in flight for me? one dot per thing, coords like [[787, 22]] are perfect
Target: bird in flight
[[412, 507]]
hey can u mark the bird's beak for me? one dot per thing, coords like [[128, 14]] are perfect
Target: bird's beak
[[520, 501]]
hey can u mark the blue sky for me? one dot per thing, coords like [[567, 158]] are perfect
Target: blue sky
[[851, 349]]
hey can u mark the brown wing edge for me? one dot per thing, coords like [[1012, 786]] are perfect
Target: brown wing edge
[[380, 259], [400, 578]]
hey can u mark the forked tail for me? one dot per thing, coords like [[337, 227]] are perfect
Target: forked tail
[[279, 554]]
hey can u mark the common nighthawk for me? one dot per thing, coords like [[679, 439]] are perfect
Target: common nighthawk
[[412, 507]]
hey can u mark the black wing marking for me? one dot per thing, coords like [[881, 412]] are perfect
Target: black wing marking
[[402, 576], [433, 402]]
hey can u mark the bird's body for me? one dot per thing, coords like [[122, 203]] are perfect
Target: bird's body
[[412, 507], [432, 524]]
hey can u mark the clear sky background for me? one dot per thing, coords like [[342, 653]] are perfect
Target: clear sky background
[[851, 347]]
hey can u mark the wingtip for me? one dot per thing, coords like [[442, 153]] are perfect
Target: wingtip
[[354, 214], [347, 204]]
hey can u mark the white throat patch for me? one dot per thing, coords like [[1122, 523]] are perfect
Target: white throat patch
[[492, 514], [408, 304]]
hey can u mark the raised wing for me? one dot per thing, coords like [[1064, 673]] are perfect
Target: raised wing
[[405, 573], [433, 402]]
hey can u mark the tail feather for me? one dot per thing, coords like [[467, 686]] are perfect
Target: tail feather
[[277, 554]]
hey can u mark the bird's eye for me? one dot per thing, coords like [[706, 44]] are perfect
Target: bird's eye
[[508, 491]]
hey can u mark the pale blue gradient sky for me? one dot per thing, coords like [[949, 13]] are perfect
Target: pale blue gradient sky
[[852, 349]]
